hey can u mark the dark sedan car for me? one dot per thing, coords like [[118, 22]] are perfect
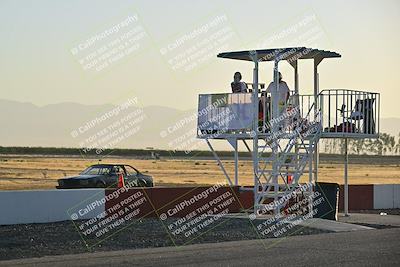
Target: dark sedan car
[[106, 175]]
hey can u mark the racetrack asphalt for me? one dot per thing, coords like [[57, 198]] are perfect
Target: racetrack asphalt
[[359, 248]]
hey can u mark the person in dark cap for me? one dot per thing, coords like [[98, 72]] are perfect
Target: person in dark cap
[[237, 85]]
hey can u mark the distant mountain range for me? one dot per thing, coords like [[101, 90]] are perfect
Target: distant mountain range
[[74, 125], [24, 124]]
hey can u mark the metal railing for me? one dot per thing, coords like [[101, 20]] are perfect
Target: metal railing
[[225, 112], [340, 111], [234, 112], [350, 112]]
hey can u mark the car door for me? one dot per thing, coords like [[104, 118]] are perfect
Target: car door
[[131, 176], [112, 177]]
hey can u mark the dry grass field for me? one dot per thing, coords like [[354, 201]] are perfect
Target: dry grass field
[[41, 172]]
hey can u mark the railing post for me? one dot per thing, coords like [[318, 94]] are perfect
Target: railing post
[[346, 182], [253, 55], [321, 108], [236, 163], [317, 60], [275, 129]]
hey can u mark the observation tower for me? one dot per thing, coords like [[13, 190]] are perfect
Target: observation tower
[[283, 138]]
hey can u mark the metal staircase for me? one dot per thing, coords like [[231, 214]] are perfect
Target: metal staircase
[[282, 160]]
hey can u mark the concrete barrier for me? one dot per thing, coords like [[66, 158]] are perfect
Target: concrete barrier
[[177, 202], [361, 197], [42, 206], [387, 196]]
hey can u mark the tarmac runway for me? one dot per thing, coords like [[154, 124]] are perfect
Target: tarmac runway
[[358, 248]]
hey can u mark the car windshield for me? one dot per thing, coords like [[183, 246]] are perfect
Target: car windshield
[[97, 170]]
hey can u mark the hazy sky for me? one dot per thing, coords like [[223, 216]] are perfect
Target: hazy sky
[[159, 63]]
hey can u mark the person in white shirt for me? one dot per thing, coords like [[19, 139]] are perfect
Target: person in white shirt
[[283, 96], [238, 86], [283, 93]]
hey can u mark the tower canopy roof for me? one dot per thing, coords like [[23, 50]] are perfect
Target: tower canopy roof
[[289, 54]]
